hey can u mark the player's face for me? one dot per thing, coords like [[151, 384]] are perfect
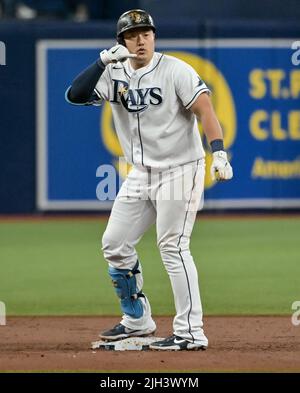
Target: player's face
[[140, 41]]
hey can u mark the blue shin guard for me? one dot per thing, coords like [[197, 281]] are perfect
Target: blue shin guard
[[124, 282]]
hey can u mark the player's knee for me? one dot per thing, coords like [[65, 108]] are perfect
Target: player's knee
[[109, 246], [168, 244], [167, 249], [173, 243], [117, 251], [170, 251]]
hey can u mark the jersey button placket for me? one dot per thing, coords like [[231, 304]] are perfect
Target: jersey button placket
[[136, 152], [137, 156]]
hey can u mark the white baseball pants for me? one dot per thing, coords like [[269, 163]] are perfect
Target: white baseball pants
[[170, 198]]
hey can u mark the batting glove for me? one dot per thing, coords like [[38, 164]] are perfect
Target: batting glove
[[115, 54], [220, 168]]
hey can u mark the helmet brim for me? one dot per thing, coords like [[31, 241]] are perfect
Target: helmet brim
[[128, 28]]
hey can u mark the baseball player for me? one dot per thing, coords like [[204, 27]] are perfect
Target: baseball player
[[155, 100]]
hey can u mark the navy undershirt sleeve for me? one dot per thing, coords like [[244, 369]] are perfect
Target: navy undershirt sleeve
[[83, 85]]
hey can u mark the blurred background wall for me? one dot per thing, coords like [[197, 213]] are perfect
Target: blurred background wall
[[165, 9], [24, 23]]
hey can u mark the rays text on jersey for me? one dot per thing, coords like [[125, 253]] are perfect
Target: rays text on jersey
[[135, 100]]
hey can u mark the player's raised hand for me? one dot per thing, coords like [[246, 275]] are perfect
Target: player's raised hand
[[220, 168], [115, 54]]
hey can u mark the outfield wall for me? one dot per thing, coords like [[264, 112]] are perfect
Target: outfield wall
[[51, 151]]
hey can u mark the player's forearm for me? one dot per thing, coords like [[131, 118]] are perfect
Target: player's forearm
[[211, 126], [204, 111], [83, 85]]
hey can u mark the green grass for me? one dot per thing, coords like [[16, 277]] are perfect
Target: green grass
[[245, 267]]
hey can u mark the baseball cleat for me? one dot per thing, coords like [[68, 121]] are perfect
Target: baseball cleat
[[175, 343], [120, 332]]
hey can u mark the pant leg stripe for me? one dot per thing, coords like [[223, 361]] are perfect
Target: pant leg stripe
[[178, 245]]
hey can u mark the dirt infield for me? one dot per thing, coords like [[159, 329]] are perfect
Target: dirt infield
[[63, 343]]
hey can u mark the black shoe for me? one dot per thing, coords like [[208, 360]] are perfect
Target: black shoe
[[120, 332], [175, 343]]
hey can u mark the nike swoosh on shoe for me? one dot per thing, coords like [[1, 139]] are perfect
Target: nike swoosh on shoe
[[179, 341]]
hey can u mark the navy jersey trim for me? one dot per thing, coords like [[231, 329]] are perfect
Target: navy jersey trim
[[131, 145], [146, 73], [195, 95], [93, 100], [98, 92], [126, 73], [140, 138]]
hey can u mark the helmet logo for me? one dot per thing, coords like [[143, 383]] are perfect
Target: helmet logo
[[136, 17]]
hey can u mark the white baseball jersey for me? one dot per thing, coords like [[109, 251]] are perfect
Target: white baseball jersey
[[150, 110]]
